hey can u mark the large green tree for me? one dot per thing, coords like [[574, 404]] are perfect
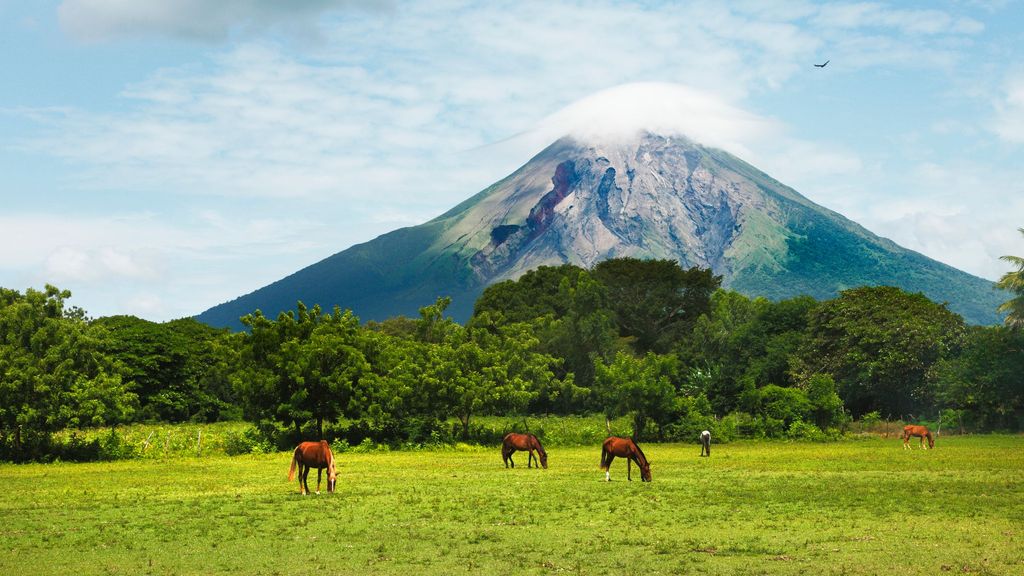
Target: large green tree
[[166, 365], [490, 366], [640, 387], [878, 344], [655, 301], [536, 294], [986, 379], [1014, 282], [571, 318], [741, 344], [305, 368], [52, 373]]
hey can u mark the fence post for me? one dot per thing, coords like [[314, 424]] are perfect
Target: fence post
[[199, 443]]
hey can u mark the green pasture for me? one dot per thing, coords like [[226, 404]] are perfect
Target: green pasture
[[852, 507]]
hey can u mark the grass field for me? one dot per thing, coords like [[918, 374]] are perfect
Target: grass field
[[852, 507]]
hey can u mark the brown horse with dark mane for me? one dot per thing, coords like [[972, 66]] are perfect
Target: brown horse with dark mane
[[921, 432], [525, 442], [628, 449], [313, 455]]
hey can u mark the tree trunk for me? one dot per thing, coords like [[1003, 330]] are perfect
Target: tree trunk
[[298, 430], [320, 427], [639, 423], [465, 426]]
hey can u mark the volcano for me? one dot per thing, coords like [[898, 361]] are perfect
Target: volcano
[[646, 196]]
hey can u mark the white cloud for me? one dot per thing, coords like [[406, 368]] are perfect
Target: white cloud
[[862, 15], [659, 107], [1009, 120], [961, 213], [205, 20], [381, 109], [75, 263], [201, 261]]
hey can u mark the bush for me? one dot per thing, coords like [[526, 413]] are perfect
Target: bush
[[800, 430], [78, 449], [248, 441], [689, 427], [368, 445], [693, 415], [734, 425], [114, 446]]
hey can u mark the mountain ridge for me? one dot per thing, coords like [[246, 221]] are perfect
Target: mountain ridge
[[651, 197]]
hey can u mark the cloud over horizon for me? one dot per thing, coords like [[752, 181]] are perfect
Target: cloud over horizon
[[201, 20]]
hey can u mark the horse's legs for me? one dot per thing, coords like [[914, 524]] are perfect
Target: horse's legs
[[319, 474], [304, 479], [608, 468], [629, 468], [529, 459]]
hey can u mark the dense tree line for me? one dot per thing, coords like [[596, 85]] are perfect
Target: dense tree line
[[663, 345]]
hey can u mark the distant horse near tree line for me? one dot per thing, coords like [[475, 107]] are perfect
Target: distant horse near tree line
[[921, 432], [513, 442]]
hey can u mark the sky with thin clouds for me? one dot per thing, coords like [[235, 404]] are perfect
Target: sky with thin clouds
[[162, 157]]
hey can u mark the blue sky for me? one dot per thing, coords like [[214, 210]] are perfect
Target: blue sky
[[161, 157]]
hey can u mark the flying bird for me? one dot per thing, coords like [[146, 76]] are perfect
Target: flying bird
[[822, 65]]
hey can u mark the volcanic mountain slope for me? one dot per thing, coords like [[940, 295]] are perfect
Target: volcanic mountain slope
[[649, 196]]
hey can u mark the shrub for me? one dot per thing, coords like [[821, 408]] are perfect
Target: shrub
[[113, 446], [800, 430], [248, 441], [78, 449]]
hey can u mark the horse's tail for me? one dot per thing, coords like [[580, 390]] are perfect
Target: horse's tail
[[604, 457], [295, 461]]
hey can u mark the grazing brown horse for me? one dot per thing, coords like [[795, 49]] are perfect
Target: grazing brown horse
[[313, 455], [525, 442], [628, 449], [921, 432]]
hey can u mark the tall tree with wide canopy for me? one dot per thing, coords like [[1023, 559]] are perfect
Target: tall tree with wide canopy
[[571, 318], [52, 373], [986, 379], [305, 367], [489, 366], [166, 365], [640, 387], [878, 344], [655, 301]]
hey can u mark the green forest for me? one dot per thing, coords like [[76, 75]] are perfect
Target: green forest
[[664, 347]]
